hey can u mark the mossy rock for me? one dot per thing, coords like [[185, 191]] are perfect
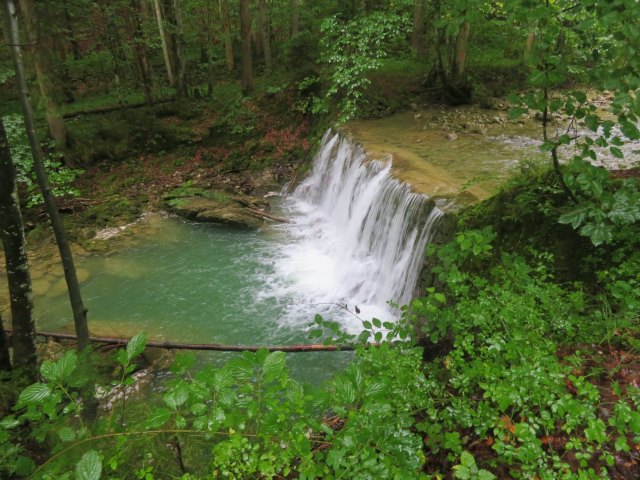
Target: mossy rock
[[214, 206]]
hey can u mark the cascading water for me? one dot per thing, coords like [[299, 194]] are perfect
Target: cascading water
[[357, 237]]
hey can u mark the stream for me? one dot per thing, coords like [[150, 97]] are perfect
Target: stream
[[355, 238]]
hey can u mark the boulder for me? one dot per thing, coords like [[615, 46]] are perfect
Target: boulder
[[215, 206]]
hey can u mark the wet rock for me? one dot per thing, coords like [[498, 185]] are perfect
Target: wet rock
[[215, 206]]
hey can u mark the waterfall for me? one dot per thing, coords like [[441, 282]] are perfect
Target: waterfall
[[357, 235]]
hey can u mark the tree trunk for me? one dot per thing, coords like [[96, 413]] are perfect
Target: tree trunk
[[139, 47], [245, 29], [79, 311], [363, 7], [180, 49], [71, 36], [5, 358], [263, 26], [460, 58], [417, 36], [163, 41], [226, 34], [531, 38], [295, 18], [15, 252], [47, 83]]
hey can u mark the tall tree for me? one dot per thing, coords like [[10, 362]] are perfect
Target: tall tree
[[417, 35], [15, 252], [163, 40], [460, 54], [79, 311], [45, 73], [181, 48], [136, 34], [245, 30], [263, 27], [226, 34]]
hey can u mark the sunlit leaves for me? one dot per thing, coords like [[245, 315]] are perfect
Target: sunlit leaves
[[89, 467]]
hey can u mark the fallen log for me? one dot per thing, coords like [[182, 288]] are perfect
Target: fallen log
[[112, 108], [202, 346]]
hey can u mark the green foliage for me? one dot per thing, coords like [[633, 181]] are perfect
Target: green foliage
[[590, 42], [60, 177], [350, 50]]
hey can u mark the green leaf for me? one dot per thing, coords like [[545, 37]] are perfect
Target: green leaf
[[67, 434], [485, 475], [136, 346], [59, 370], [158, 418], [89, 467], [616, 152], [177, 397], [274, 365], [34, 393], [376, 323]]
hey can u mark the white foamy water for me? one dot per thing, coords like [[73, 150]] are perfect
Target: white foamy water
[[357, 237]]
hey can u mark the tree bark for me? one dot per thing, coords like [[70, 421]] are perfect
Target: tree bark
[[180, 49], [417, 36], [163, 41], [295, 18], [136, 35], [528, 48], [47, 83], [79, 311], [462, 42], [226, 34], [263, 26], [5, 358], [245, 29], [15, 252]]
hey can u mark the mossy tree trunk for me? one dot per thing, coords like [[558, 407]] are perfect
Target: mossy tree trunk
[[417, 35], [18, 276], [77, 306], [226, 34]]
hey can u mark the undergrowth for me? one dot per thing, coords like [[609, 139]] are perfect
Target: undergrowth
[[509, 368]]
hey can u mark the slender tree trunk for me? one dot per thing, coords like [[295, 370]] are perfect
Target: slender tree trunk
[[462, 42], [47, 83], [263, 26], [295, 18], [180, 48], [15, 252], [417, 36], [79, 311], [163, 41], [5, 358], [363, 7], [245, 29], [226, 34], [531, 38]]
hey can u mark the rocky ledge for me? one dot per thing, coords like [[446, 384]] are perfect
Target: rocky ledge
[[217, 206]]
